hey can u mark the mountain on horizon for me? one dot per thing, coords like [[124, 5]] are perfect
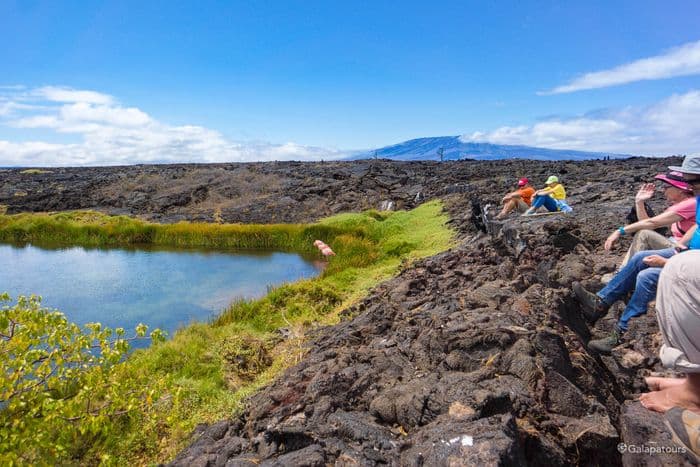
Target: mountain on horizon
[[453, 148]]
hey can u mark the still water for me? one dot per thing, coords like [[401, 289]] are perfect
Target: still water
[[161, 288]]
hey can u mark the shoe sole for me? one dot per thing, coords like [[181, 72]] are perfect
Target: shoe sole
[[679, 441]]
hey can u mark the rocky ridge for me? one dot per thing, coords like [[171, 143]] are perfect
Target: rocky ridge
[[277, 191], [474, 356]]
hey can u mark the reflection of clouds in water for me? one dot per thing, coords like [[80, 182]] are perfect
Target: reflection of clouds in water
[[160, 288], [68, 271]]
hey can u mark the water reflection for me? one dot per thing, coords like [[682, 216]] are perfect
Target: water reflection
[[161, 287]]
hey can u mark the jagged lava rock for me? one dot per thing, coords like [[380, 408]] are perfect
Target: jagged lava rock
[[474, 356]]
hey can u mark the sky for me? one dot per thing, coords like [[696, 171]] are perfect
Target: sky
[[124, 82]]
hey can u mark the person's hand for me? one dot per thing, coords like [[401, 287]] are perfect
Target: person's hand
[[645, 193], [655, 261], [615, 236], [680, 248]]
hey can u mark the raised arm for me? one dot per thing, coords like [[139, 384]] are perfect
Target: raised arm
[[645, 193]]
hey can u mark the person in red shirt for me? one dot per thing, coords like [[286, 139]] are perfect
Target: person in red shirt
[[519, 200]]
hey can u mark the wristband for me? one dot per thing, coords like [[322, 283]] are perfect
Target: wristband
[[621, 230]]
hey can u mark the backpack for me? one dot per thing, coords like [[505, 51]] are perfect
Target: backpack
[[632, 217]]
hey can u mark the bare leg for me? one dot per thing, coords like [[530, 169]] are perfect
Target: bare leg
[[657, 383], [685, 395], [508, 207]]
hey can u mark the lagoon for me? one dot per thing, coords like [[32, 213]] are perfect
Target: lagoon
[[163, 288]]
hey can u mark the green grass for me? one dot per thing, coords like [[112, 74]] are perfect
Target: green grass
[[35, 171], [210, 368], [89, 228]]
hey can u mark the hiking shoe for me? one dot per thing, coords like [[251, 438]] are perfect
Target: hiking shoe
[[606, 344], [592, 306], [685, 428], [529, 212]]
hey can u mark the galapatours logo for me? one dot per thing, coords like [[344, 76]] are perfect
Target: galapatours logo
[[650, 449]]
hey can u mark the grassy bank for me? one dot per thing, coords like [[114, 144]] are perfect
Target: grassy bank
[[206, 370]]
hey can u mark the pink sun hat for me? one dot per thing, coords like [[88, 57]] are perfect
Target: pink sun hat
[[674, 178]]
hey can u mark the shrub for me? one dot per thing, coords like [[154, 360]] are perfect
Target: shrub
[[102, 407], [60, 385]]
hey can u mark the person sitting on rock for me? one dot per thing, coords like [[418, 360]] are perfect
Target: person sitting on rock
[[678, 314], [639, 276], [519, 200], [552, 197], [680, 216]]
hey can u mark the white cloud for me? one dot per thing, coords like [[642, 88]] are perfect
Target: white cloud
[[671, 126], [112, 134], [109, 115], [680, 61], [8, 107], [61, 94]]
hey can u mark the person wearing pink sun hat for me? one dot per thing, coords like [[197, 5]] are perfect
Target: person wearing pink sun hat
[[679, 216], [678, 315], [640, 275]]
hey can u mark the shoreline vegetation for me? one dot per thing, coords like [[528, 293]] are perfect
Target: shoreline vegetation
[[205, 371]]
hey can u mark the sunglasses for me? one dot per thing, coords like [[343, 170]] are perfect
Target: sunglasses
[[692, 181]]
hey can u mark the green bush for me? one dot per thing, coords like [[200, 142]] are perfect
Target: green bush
[[62, 387], [141, 409]]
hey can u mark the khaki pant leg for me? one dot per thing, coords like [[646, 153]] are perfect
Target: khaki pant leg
[[678, 312], [521, 206], [646, 240]]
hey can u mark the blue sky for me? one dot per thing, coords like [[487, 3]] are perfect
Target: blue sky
[[209, 81]]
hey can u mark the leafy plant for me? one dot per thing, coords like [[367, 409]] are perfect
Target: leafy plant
[[142, 409], [60, 384]]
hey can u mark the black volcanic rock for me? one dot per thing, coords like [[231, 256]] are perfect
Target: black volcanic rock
[[474, 356], [297, 191]]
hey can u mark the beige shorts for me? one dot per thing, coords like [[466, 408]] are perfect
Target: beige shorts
[[678, 312], [646, 240], [521, 206]]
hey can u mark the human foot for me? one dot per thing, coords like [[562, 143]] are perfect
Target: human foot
[[680, 395], [657, 383]]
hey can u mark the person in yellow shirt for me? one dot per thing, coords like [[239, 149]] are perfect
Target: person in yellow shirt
[[553, 197]]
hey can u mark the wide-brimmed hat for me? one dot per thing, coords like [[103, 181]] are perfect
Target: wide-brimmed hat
[[523, 181], [691, 165], [552, 179], [675, 178]]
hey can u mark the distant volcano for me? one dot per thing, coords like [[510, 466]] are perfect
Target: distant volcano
[[453, 148]]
